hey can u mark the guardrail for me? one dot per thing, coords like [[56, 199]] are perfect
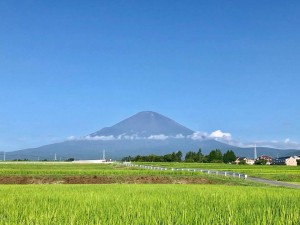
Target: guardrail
[[224, 173]]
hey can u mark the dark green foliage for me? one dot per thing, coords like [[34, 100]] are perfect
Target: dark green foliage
[[298, 162], [127, 159], [215, 156], [229, 156], [70, 160], [173, 157], [194, 157], [261, 162], [190, 156], [242, 162], [20, 160]]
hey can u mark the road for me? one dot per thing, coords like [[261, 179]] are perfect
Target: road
[[274, 182]]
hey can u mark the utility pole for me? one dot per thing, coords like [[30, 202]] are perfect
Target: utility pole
[[103, 155], [255, 153], [55, 157], [3, 155]]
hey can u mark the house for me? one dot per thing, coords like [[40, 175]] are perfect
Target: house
[[240, 160], [289, 161], [268, 159]]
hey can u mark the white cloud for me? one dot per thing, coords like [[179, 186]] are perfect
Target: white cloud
[[179, 136], [226, 137], [285, 144], [100, 138], [279, 144], [158, 137], [215, 135], [127, 137], [218, 134], [71, 138], [198, 136]]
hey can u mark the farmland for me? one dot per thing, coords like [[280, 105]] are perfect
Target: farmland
[[147, 204], [273, 172], [131, 195], [70, 173]]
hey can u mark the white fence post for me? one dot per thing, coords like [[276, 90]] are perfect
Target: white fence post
[[239, 175]]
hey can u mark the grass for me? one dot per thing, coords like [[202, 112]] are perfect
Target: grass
[[116, 173], [147, 204]]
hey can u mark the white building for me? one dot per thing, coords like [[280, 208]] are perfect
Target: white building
[[289, 161]]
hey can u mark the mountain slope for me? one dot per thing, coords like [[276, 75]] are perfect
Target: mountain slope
[[145, 124]]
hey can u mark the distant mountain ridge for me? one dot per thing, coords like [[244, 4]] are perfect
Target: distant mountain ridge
[[141, 134]]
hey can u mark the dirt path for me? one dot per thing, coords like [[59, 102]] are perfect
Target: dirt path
[[274, 182], [103, 180]]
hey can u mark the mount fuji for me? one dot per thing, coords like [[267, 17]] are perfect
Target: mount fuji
[[141, 134], [144, 124]]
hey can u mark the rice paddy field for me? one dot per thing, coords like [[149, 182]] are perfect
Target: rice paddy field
[[272, 172], [147, 204], [72, 173], [221, 200]]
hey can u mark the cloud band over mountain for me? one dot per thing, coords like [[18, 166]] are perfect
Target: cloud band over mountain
[[216, 135]]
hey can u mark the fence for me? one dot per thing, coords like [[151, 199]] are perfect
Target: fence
[[224, 173]]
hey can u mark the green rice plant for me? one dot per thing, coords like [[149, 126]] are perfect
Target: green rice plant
[[147, 204]]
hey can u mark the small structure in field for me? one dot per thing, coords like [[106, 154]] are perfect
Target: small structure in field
[[103, 160], [244, 160], [93, 161], [289, 161], [268, 159]]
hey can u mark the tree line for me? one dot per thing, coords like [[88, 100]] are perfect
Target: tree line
[[215, 156]]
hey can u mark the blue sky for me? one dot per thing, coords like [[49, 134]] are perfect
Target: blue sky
[[69, 68]]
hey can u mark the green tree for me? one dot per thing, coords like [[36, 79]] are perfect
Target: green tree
[[242, 162], [229, 157], [261, 162], [138, 158], [127, 159], [200, 156], [191, 157], [70, 160], [215, 156], [178, 156], [168, 158]]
